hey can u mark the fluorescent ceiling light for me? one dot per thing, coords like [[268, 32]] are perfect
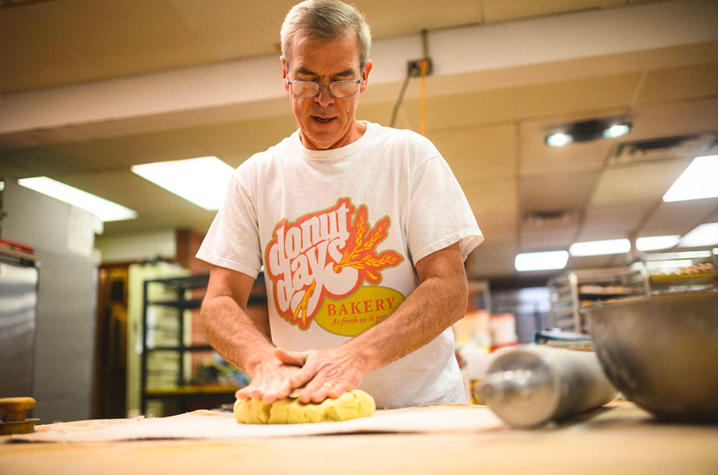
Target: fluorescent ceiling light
[[202, 181], [698, 181], [677, 255], [654, 243], [106, 210], [669, 264], [531, 261], [702, 235], [600, 248], [557, 140]]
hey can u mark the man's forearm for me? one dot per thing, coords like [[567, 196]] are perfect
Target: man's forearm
[[231, 332], [435, 304]]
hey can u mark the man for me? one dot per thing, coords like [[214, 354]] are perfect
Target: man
[[362, 231]]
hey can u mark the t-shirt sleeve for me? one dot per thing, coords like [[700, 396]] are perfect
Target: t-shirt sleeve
[[439, 214], [233, 238]]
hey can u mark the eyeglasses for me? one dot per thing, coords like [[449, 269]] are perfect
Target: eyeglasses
[[344, 88]]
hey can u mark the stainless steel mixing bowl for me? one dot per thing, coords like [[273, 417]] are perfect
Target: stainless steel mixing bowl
[[662, 352]]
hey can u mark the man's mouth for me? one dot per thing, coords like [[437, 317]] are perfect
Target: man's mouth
[[323, 120]]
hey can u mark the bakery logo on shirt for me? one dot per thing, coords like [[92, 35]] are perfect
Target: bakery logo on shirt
[[319, 262]]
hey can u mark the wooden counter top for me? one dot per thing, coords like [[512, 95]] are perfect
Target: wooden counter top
[[619, 439]]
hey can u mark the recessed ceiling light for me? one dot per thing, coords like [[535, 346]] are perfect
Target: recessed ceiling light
[[532, 261], [557, 140], [600, 248], [202, 181], [702, 235], [654, 243], [616, 131], [588, 130], [698, 181], [104, 209]]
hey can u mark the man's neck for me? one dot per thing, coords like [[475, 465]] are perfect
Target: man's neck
[[356, 132]]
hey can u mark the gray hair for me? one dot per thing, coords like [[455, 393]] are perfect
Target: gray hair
[[322, 20]]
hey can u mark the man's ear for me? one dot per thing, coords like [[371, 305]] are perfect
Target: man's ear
[[284, 72], [365, 75]]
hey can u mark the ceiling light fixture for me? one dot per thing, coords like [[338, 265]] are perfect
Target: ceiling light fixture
[[588, 130], [533, 261], [667, 256], [202, 181], [600, 248], [702, 235], [655, 243], [669, 264], [104, 209], [698, 181]]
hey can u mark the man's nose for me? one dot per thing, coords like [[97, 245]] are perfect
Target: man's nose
[[324, 98]]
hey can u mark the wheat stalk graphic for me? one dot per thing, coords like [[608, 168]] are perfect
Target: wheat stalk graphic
[[305, 302], [361, 254]]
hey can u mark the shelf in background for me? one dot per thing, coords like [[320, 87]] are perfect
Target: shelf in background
[[191, 391], [186, 348]]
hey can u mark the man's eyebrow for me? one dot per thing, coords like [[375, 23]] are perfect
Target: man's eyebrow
[[307, 72]]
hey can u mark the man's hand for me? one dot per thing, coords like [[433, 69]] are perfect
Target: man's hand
[[324, 373], [270, 381]]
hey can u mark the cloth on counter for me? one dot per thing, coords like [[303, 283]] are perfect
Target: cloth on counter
[[215, 425]]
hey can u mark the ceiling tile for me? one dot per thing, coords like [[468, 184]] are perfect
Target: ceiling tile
[[32, 57], [536, 240], [674, 118], [556, 192], [502, 10], [594, 93], [663, 229], [459, 110], [637, 183], [198, 220], [682, 213], [479, 153], [492, 259], [680, 83], [493, 198], [145, 198], [416, 15], [39, 161], [600, 234], [11, 169], [497, 229], [495, 206], [235, 142], [624, 218], [116, 35]]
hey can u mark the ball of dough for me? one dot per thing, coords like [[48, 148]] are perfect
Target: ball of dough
[[351, 405]]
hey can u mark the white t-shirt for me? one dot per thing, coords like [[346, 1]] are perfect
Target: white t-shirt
[[338, 233]]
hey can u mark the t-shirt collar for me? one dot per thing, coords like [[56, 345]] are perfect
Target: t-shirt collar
[[334, 152]]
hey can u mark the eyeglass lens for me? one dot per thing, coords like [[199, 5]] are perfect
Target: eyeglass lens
[[337, 88]]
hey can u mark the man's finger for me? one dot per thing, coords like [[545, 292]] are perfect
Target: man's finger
[[270, 395], [294, 358], [338, 390], [302, 377], [316, 391]]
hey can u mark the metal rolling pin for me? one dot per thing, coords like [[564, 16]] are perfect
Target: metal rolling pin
[[528, 387]]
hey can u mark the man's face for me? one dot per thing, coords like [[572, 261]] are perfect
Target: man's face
[[325, 121]]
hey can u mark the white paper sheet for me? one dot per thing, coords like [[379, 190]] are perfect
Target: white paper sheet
[[213, 425]]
